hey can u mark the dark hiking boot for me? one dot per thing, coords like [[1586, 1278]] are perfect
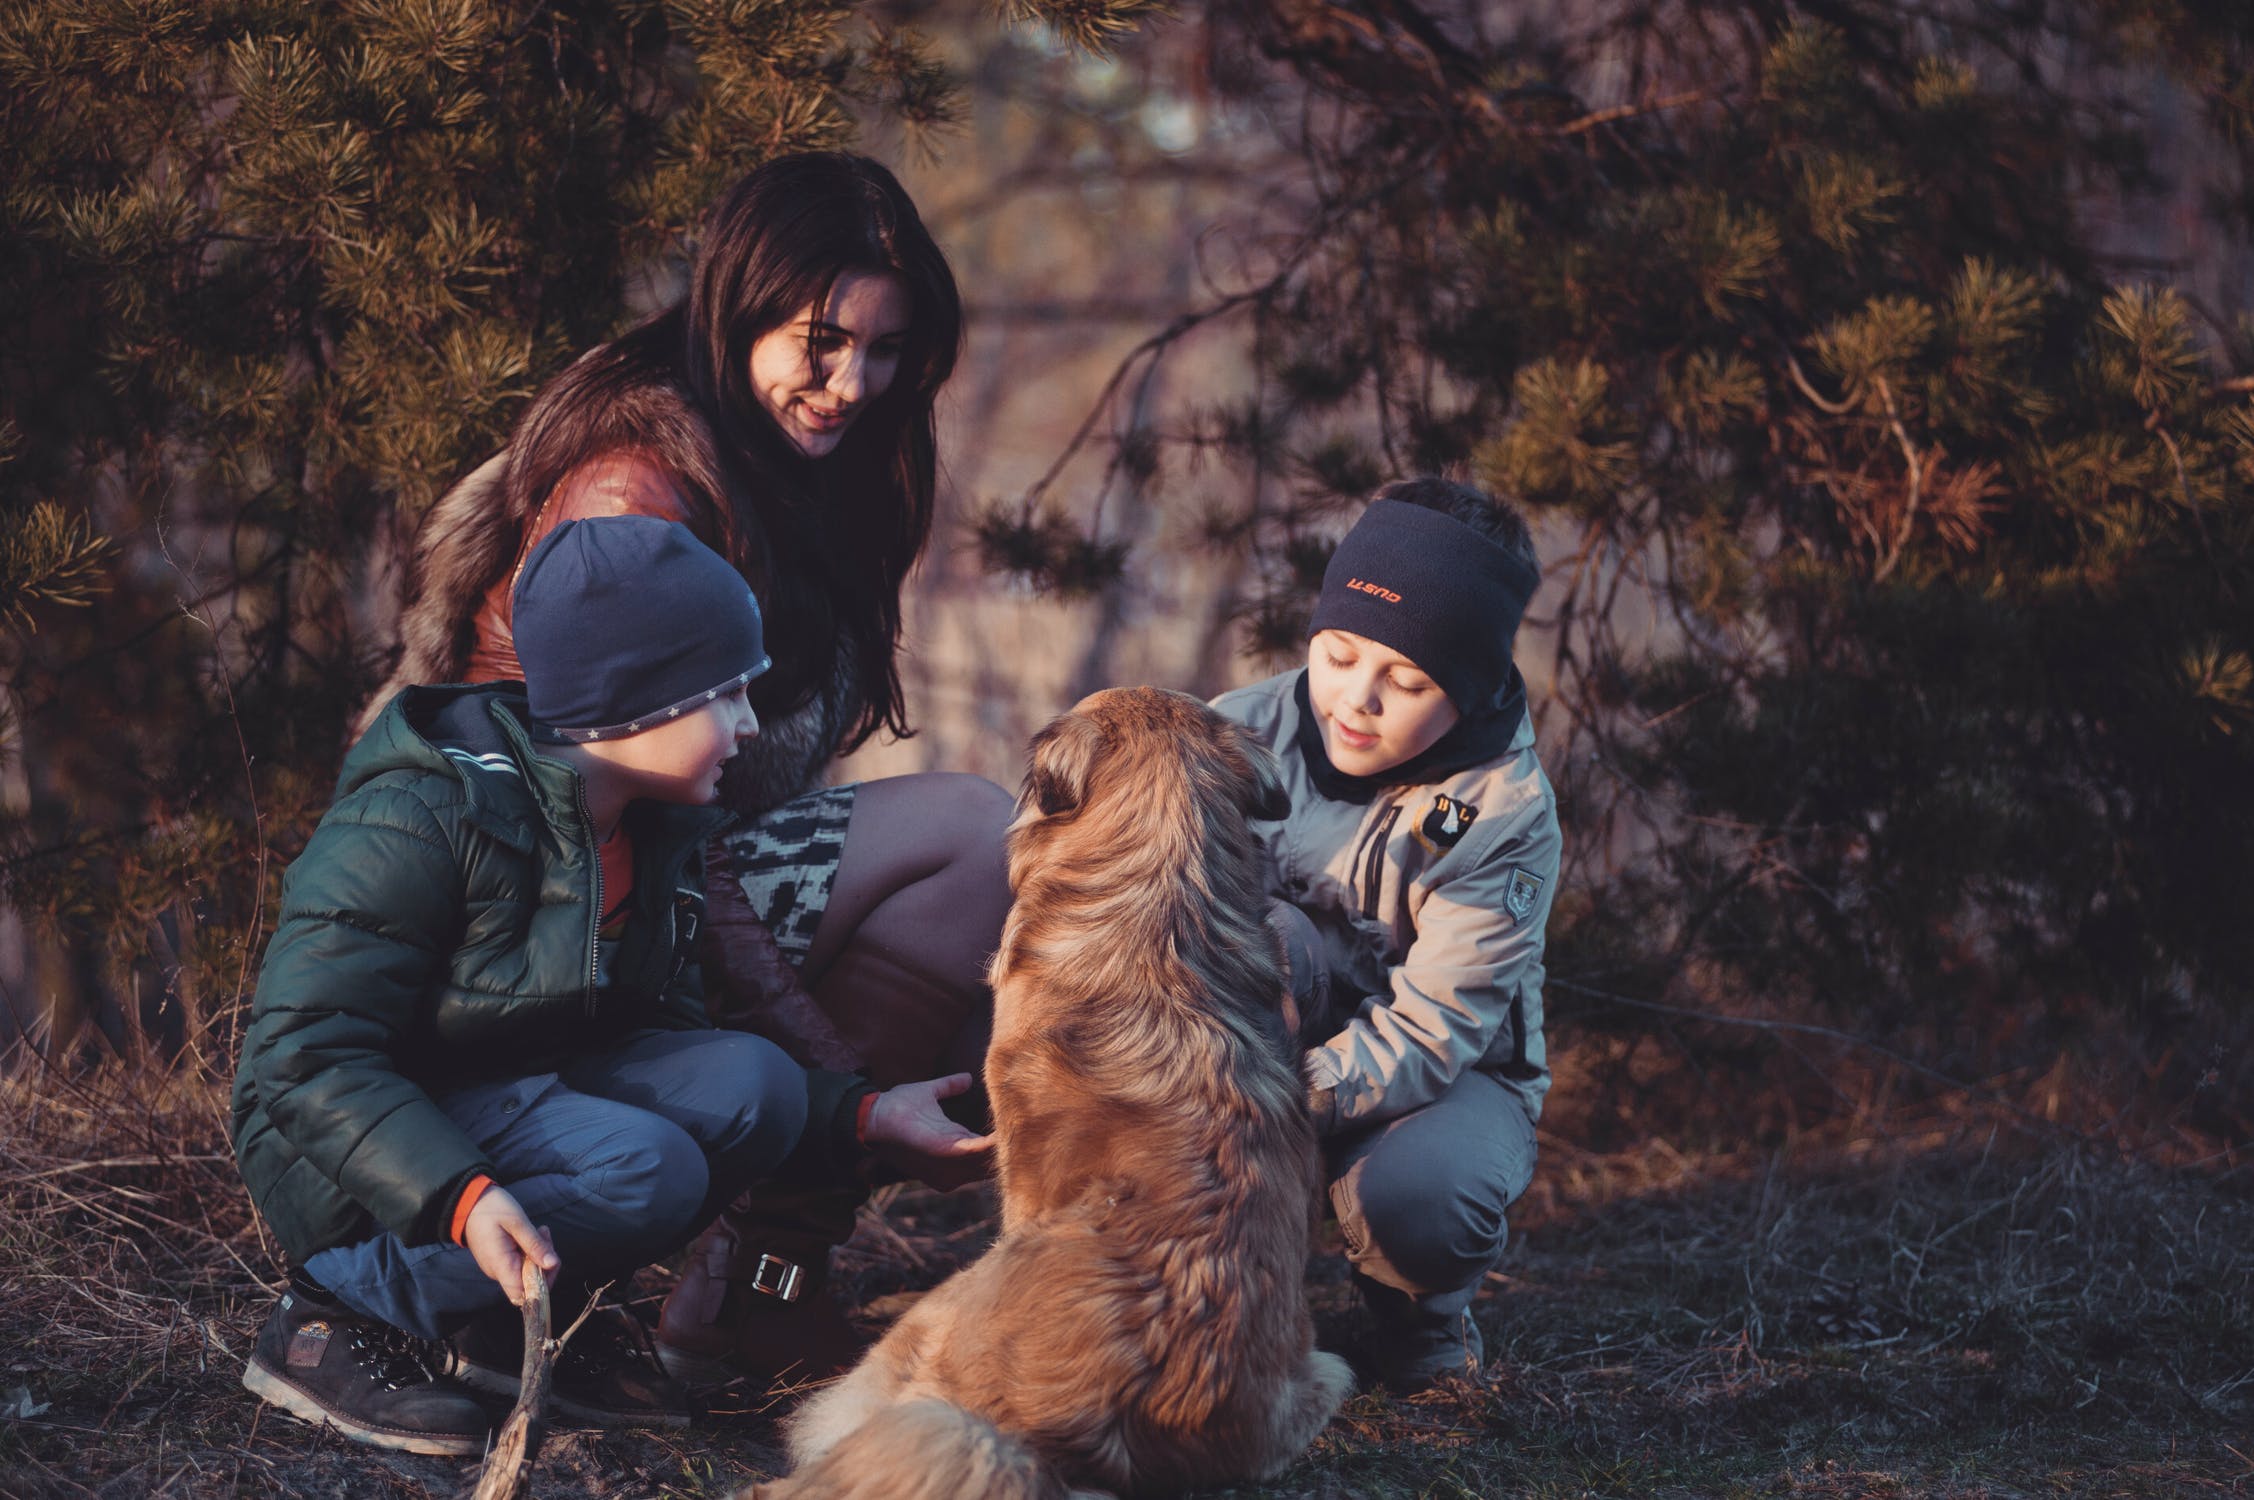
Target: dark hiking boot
[[372, 1382], [1413, 1345], [754, 1304], [606, 1376]]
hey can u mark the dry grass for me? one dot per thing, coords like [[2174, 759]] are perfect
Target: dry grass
[[1950, 1302]]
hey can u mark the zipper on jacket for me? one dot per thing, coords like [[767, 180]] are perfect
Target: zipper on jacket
[[1373, 863], [594, 916]]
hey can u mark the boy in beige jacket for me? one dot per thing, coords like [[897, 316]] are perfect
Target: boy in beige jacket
[[1414, 878]]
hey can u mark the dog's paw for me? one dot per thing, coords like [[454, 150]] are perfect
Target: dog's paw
[[1331, 1375]]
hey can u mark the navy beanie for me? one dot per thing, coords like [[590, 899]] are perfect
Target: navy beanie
[[624, 622], [1434, 589]]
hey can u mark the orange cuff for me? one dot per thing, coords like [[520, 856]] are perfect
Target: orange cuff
[[474, 1190], [868, 1107]]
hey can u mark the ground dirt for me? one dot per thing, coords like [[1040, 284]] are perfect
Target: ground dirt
[[1963, 1304]]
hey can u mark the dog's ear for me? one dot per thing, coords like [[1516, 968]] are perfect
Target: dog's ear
[[1059, 762], [1265, 796]]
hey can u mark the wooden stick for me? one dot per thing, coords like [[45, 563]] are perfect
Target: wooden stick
[[508, 1468]]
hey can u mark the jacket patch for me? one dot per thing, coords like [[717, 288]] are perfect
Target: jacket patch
[[1520, 895], [1446, 824]]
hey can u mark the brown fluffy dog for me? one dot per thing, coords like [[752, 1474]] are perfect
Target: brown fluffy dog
[[1141, 1325]]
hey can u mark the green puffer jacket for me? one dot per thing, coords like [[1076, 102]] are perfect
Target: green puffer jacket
[[439, 929]]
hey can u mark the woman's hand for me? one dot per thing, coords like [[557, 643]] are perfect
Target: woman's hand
[[502, 1239], [908, 1129]]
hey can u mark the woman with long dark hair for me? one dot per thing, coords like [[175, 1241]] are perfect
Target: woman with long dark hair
[[783, 412]]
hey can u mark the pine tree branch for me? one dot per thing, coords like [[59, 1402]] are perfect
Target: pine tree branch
[[250, 775], [1910, 503], [2207, 548], [1800, 379], [1154, 345], [1619, 112]]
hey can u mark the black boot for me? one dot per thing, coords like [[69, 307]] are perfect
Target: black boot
[[606, 1376], [1416, 1342], [319, 1360], [753, 1301]]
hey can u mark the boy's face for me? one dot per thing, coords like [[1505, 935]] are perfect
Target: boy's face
[[1376, 707], [680, 759]]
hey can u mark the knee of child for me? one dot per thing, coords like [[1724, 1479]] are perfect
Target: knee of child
[[770, 1089], [658, 1183], [1434, 1233]]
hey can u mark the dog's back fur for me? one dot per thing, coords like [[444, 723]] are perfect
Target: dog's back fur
[[1141, 1325]]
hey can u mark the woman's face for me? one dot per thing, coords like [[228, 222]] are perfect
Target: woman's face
[[815, 374]]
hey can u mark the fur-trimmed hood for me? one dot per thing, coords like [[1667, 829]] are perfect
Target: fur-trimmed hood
[[473, 534]]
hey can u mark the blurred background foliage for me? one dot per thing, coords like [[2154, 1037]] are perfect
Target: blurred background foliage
[[1876, 370], [273, 274]]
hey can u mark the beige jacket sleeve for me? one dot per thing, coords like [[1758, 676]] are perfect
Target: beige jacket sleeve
[[1469, 988]]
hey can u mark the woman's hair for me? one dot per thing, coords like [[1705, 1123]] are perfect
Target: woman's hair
[[834, 538]]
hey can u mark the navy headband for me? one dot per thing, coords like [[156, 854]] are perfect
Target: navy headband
[[1434, 589]]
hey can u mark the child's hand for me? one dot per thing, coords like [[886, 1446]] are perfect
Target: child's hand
[[908, 1129], [502, 1239]]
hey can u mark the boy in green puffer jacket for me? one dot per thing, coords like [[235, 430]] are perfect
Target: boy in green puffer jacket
[[479, 1038]]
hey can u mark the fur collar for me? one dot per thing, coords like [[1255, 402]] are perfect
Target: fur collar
[[470, 536]]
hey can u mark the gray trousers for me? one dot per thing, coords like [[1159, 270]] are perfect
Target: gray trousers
[[1420, 1198]]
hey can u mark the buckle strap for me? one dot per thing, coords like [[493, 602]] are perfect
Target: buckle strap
[[722, 1266], [776, 1277], [727, 1258]]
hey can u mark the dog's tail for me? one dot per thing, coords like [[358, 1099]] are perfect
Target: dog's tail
[[923, 1450]]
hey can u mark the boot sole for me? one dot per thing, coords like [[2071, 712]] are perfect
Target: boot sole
[[275, 1390], [693, 1370], [492, 1382]]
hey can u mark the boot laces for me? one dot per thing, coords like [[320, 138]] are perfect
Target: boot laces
[[397, 1358], [611, 1339]]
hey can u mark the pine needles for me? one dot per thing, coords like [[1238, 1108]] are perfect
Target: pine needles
[[271, 278]]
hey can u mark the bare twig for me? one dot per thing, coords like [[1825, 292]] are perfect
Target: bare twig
[[1154, 347], [122, 1161], [1800, 379], [1620, 112], [508, 1469], [196, 611], [1917, 463], [1150, 347]]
